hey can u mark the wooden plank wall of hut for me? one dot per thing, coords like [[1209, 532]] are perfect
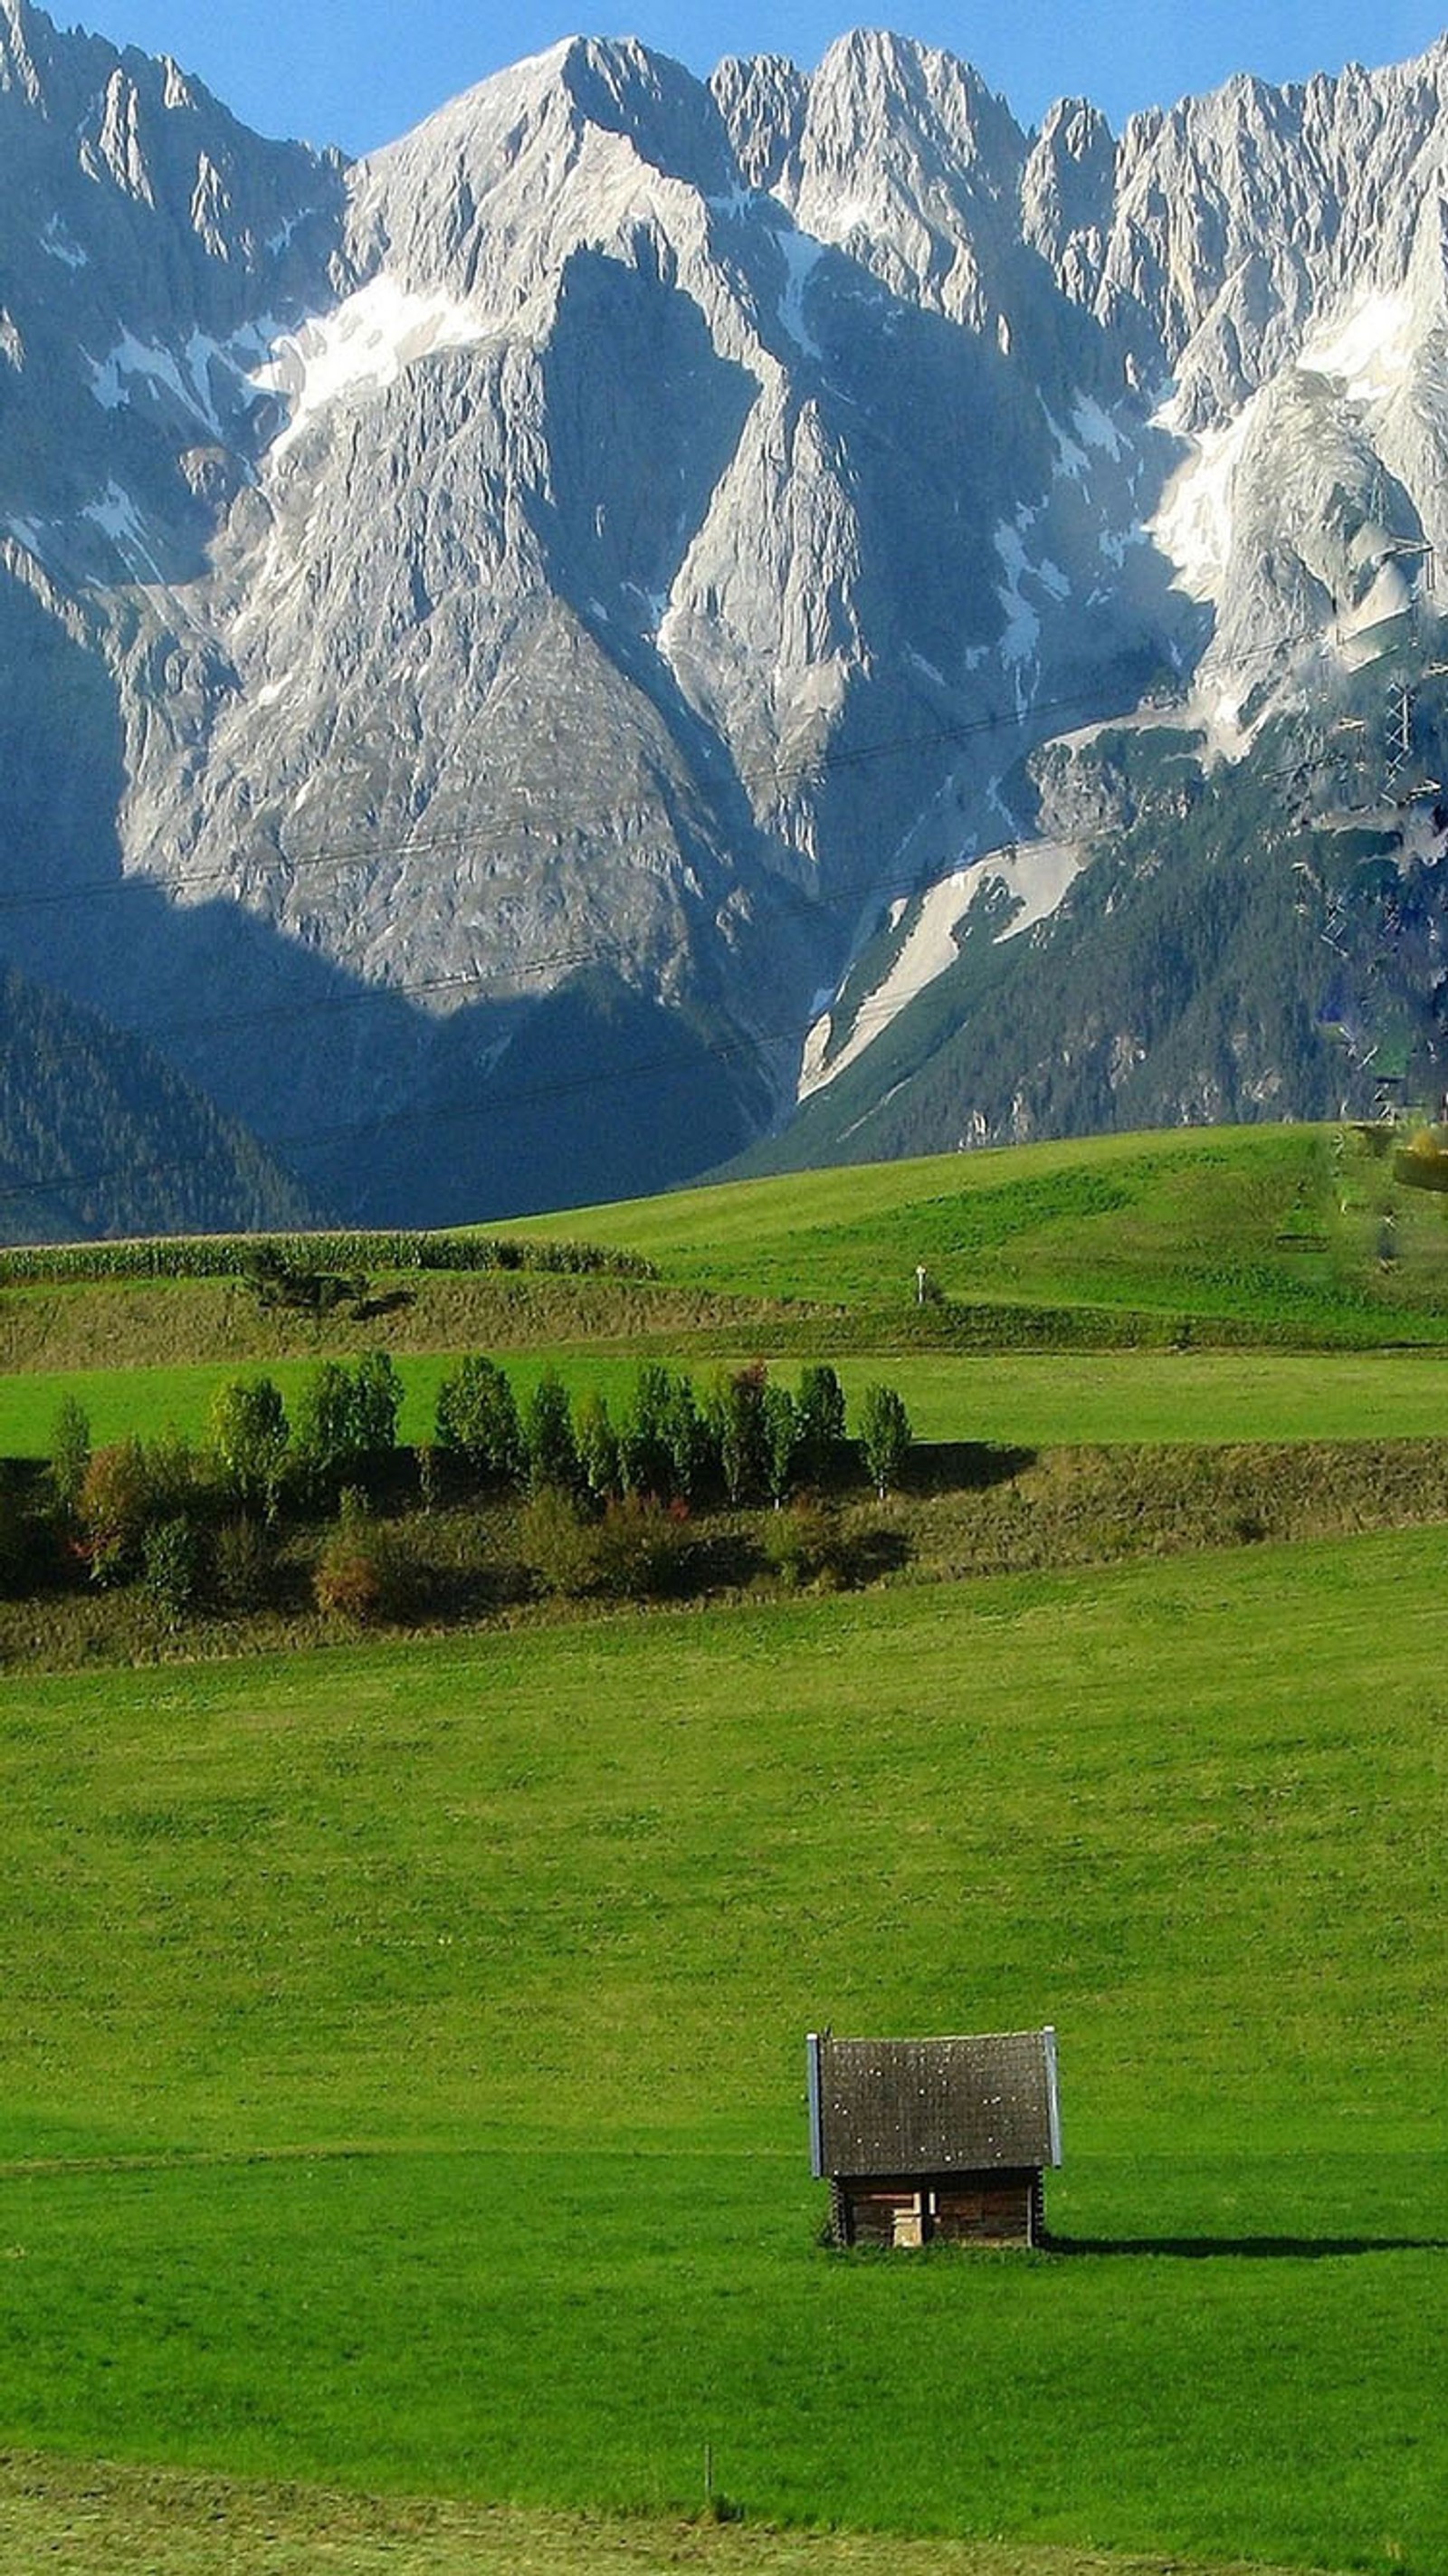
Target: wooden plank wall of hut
[[999, 2211], [959, 2209]]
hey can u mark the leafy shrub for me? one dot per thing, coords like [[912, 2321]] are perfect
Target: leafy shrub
[[548, 1440], [782, 1443], [736, 1419], [820, 1405], [665, 1447], [558, 1541], [244, 1563], [248, 1432], [355, 1573], [805, 1544], [691, 1454], [641, 1546], [175, 1474], [598, 1447], [347, 1582], [377, 1398], [346, 1419], [127, 1488], [322, 1435], [884, 1436], [111, 1510], [171, 1562], [644, 1458], [280, 1279]]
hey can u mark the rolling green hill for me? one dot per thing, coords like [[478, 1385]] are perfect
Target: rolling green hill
[[1237, 1238], [1274, 1231]]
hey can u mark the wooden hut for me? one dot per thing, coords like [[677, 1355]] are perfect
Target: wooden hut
[[922, 2138]]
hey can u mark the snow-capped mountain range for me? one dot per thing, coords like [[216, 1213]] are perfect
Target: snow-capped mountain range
[[530, 657]]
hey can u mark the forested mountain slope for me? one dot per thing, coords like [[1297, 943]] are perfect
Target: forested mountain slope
[[99, 1136]]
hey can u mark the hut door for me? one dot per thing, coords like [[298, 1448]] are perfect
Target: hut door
[[909, 2216]]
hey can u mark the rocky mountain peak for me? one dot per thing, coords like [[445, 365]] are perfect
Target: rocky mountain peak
[[907, 160], [650, 528], [883, 104], [762, 101], [668, 116], [1068, 186], [23, 34], [486, 198]]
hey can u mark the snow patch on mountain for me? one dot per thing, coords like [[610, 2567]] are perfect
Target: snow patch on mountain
[[187, 378], [1095, 427], [370, 339], [57, 241], [1023, 627], [1037, 875], [1192, 525], [28, 533], [1370, 352], [118, 518], [801, 258]]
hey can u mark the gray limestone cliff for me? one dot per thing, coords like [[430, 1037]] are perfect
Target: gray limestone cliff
[[489, 633]]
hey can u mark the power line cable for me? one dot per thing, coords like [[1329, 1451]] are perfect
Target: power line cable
[[883, 1006], [784, 900], [880, 1008], [505, 979], [557, 1087], [823, 764]]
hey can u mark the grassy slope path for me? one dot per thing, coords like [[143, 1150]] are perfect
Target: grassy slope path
[[452, 1998]]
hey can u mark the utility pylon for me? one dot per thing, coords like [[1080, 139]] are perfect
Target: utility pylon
[[1400, 733]]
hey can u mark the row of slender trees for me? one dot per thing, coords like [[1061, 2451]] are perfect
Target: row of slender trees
[[137, 1505], [748, 1437]]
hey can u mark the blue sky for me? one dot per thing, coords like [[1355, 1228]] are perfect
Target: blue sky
[[360, 72]]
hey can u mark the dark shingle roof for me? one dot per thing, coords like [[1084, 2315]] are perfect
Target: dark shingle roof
[[906, 2106]]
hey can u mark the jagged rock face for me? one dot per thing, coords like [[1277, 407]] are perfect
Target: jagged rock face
[[145, 239], [1236, 221], [486, 630]]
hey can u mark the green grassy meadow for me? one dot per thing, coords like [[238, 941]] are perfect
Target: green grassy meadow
[[403, 2079], [403, 2156], [1267, 1235], [1272, 1225], [1011, 1398], [164, 2523]]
